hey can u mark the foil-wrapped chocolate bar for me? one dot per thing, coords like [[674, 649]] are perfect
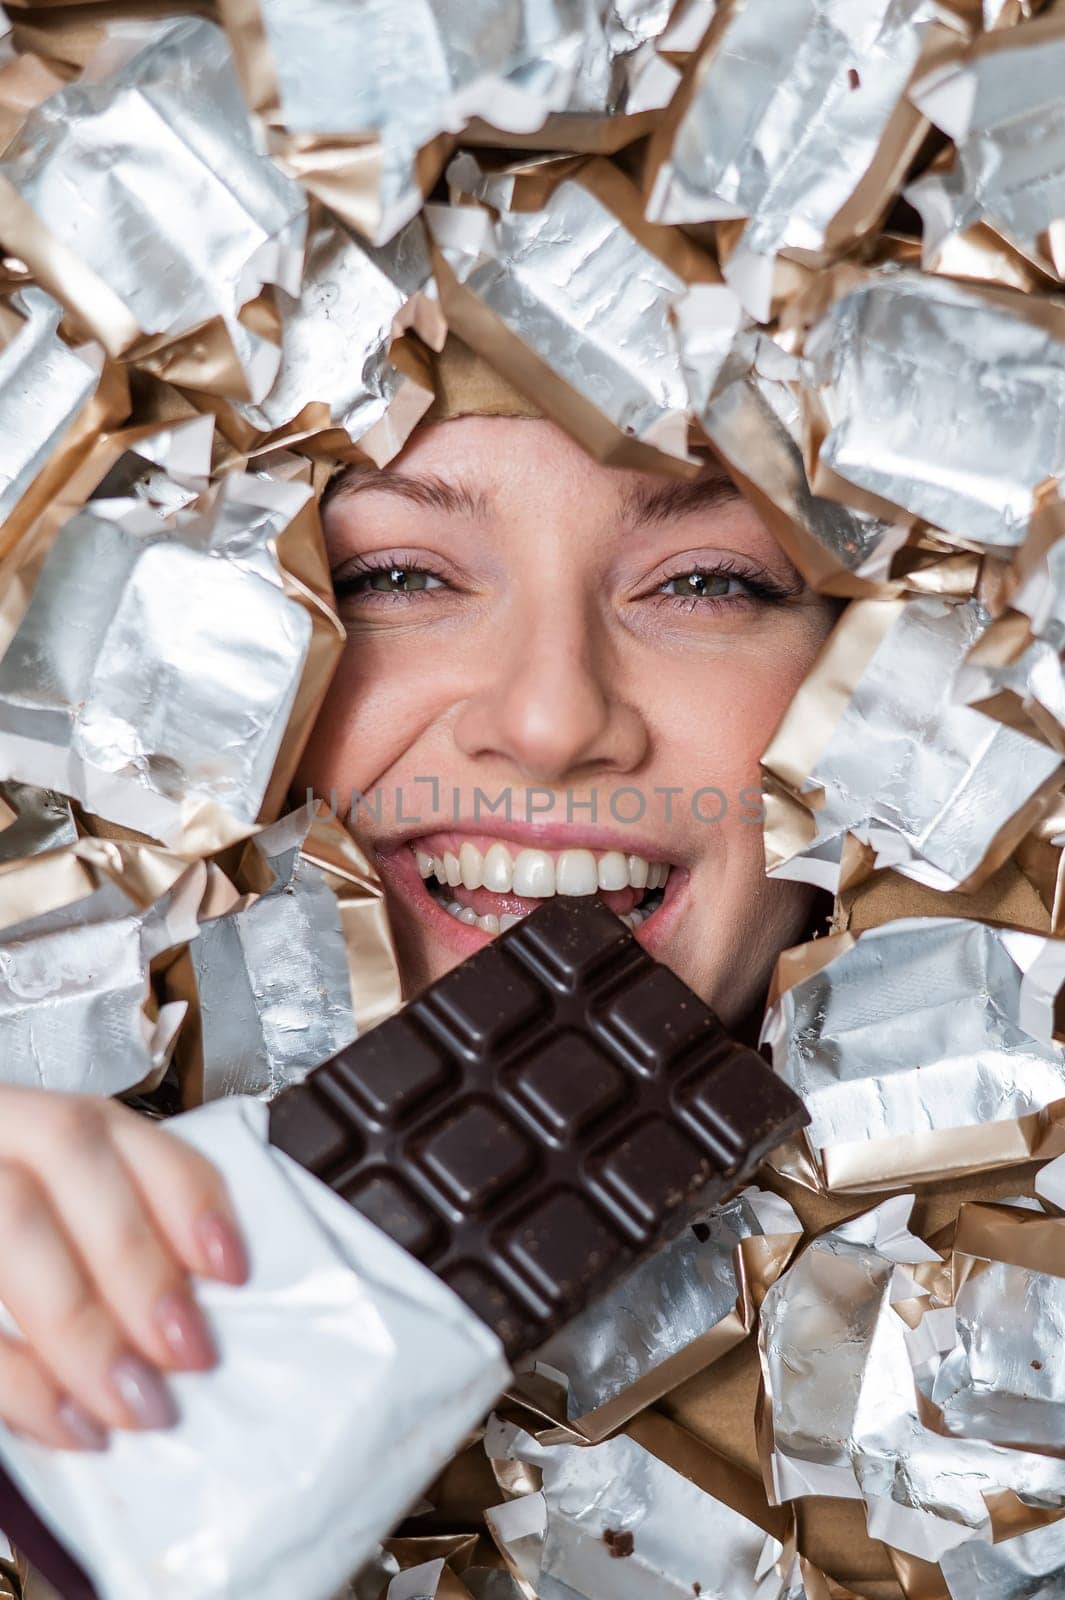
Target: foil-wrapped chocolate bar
[[535, 1122]]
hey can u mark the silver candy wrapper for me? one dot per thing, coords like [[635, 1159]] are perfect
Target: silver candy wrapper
[[1050, 1183], [154, 130], [983, 427], [621, 72], [39, 820], [272, 979], [44, 388], [1004, 1380], [586, 301], [1029, 1567], [683, 1306], [744, 390], [839, 1365], [906, 1070], [335, 375], [1001, 104], [75, 992], [615, 1519], [348, 1375], [783, 124], [154, 670], [396, 78], [936, 790]]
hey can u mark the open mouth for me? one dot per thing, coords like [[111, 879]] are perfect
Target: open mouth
[[493, 888]]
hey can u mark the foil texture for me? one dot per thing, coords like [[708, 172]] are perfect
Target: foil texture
[[106, 165], [785, 116], [1029, 1567], [745, 391], [272, 978], [44, 388], [614, 1519], [680, 1298], [1000, 102], [335, 376], [75, 988], [147, 710], [933, 789], [843, 1407], [348, 1375], [40, 820], [586, 300], [620, 71], [396, 79], [984, 424], [906, 1067]]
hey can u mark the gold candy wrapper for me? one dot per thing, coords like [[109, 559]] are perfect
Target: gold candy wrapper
[[875, 748], [944, 1084]]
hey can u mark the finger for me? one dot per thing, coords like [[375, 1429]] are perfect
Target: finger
[[187, 1198], [53, 1301], [133, 1268], [33, 1405]]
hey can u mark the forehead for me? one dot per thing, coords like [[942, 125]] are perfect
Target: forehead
[[482, 467]]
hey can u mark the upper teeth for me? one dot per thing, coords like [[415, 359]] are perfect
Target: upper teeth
[[538, 874]]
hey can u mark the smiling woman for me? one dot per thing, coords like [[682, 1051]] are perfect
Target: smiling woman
[[559, 679]]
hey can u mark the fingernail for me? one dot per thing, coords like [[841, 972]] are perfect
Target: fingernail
[[82, 1429], [223, 1247], [143, 1392], [182, 1325]]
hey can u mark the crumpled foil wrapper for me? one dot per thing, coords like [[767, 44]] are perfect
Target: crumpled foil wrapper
[[1000, 102], [797, 124], [875, 747], [984, 376], [93, 183], [336, 385], [348, 1375], [907, 1071], [567, 302], [1029, 1567], [745, 392], [622, 1519], [37, 820], [355, 99], [45, 389], [683, 1308], [166, 717], [272, 979], [843, 1411], [76, 1010]]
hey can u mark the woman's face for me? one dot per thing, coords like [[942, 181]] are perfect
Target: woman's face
[[601, 656]]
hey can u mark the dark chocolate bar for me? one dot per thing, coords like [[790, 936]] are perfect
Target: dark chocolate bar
[[539, 1119]]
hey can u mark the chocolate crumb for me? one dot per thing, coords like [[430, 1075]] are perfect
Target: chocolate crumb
[[697, 1588], [853, 79], [619, 1542], [701, 1231], [1037, 1366]]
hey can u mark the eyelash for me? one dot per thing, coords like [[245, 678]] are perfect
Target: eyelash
[[761, 588]]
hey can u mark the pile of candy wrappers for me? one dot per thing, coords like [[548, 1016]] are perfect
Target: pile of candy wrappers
[[828, 238]]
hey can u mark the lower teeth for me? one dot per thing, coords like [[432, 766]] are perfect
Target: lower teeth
[[490, 923]]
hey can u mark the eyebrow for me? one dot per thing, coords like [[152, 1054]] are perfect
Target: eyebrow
[[643, 505], [425, 490]]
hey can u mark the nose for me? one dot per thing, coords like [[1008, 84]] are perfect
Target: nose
[[551, 706]]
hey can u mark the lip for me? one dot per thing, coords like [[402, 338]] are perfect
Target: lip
[[401, 876]]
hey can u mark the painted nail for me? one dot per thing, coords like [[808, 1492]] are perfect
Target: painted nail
[[182, 1325], [80, 1428], [223, 1247], [143, 1392]]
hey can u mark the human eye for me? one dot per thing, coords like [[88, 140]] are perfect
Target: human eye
[[703, 584], [384, 578]]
